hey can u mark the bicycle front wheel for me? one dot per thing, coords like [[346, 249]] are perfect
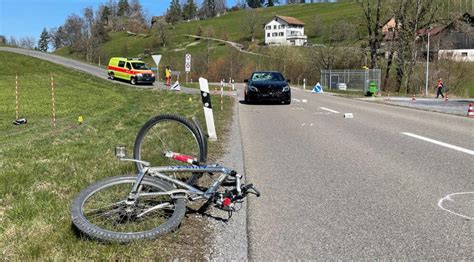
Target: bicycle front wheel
[[165, 133], [101, 211]]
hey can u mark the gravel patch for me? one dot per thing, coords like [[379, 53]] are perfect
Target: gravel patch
[[453, 106], [230, 238]]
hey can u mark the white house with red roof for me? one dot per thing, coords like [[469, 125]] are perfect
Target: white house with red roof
[[285, 30]]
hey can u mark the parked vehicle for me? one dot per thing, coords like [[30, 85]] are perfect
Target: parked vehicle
[[341, 86], [130, 69], [267, 85]]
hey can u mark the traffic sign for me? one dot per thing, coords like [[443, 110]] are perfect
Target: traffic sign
[[187, 63], [157, 59]]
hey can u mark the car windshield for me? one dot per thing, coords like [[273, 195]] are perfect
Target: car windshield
[[139, 66], [267, 76]]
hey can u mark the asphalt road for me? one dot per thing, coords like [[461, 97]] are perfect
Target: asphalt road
[[360, 188]]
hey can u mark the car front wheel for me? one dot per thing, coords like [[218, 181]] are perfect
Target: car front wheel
[[133, 81]]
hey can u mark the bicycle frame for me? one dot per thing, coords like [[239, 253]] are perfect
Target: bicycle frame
[[186, 189]]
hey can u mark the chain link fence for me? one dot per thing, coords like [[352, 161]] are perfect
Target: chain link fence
[[351, 80]]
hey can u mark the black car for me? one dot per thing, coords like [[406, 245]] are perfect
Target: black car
[[267, 85]]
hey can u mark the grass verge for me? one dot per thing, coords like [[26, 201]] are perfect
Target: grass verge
[[43, 167]]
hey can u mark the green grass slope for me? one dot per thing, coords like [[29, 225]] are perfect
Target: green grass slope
[[42, 168]]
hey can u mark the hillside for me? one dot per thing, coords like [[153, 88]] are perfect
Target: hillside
[[231, 26]]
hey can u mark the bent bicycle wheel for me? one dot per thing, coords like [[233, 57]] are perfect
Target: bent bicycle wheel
[[169, 133], [101, 210]]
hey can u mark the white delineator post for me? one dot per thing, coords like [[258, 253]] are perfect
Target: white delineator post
[[17, 111], [53, 100], [206, 102], [222, 96]]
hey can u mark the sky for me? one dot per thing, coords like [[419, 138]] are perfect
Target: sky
[[27, 18]]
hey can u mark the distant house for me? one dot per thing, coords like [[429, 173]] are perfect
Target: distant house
[[388, 29], [285, 30], [454, 41]]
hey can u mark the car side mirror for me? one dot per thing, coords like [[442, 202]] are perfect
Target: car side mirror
[[288, 80], [246, 80]]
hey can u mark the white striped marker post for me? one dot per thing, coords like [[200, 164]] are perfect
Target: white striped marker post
[[17, 108], [222, 97], [52, 97], [206, 102]]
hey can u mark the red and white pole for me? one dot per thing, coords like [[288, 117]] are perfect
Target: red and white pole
[[52, 98], [17, 108]]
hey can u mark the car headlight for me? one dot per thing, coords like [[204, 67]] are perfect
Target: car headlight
[[139, 75], [286, 88], [253, 88]]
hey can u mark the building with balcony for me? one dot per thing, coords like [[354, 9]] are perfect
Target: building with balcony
[[285, 30]]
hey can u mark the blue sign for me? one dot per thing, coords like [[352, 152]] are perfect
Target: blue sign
[[318, 88]]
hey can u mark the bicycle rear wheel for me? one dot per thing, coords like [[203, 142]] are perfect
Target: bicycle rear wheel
[[101, 212], [164, 133]]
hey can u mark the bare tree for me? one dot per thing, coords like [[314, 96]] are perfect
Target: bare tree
[[137, 21], [162, 33], [412, 15], [372, 22], [316, 27], [88, 37], [250, 22], [27, 43]]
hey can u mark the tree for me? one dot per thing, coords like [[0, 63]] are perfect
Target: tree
[[104, 14], [43, 41], [250, 23], [123, 8], [162, 34], [189, 10], [136, 23], [57, 37], [209, 8], [342, 31], [316, 28], [411, 16], [73, 31], [271, 3], [13, 42], [372, 22], [255, 3], [173, 15], [27, 43]]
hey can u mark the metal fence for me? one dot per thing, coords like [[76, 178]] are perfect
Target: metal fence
[[355, 80]]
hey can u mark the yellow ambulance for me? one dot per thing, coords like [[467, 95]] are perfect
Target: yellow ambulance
[[133, 70]]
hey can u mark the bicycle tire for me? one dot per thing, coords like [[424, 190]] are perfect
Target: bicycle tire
[[94, 225], [169, 133]]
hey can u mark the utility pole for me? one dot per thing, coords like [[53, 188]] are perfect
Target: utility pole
[[427, 61]]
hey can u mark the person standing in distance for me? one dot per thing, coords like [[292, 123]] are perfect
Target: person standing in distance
[[168, 75], [440, 87]]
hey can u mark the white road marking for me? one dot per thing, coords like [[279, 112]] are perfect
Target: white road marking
[[297, 108], [330, 110], [297, 100], [467, 151], [448, 198]]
